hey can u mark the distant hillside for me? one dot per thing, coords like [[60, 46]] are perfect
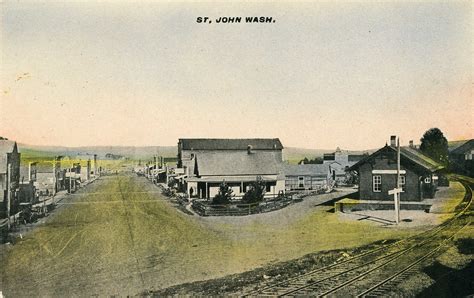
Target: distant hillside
[[101, 151], [294, 155], [290, 154]]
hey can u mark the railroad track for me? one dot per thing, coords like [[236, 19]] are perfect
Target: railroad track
[[369, 269]]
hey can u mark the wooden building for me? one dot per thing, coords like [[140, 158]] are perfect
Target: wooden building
[[50, 178], [9, 177], [206, 163], [340, 161], [377, 174], [462, 158], [307, 176], [27, 192]]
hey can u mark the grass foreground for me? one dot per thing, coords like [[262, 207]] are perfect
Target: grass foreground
[[120, 236]]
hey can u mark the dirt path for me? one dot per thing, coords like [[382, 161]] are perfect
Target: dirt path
[[119, 236]]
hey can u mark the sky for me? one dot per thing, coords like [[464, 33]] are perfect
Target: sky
[[322, 75]]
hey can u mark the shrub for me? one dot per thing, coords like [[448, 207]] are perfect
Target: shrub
[[256, 192], [224, 195]]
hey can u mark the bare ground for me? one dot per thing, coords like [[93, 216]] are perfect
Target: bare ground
[[120, 236]]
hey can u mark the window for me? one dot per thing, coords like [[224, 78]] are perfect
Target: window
[[427, 180], [301, 182], [402, 182], [377, 183]]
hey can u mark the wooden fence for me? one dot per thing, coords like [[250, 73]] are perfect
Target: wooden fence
[[204, 208]]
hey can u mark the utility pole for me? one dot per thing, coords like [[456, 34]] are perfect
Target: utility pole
[[398, 183], [397, 190], [88, 176], [95, 166], [55, 178], [70, 180], [156, 168], [9, 180]]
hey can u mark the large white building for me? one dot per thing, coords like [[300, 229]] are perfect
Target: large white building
[[206, 163]]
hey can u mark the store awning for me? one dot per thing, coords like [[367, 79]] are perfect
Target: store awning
[[234, 179]]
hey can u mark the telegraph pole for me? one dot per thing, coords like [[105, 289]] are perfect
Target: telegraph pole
[[397, 191], [398, 182], [9, 180], [95, 166], [88, 176]]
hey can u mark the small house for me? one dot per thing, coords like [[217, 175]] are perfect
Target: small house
[[307, 176], [378, 174]]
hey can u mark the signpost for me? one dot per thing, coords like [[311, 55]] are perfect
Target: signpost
[[396, 198], [9, 189], [396, 191]]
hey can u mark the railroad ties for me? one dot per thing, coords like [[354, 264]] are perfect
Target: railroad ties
[[377, 272]]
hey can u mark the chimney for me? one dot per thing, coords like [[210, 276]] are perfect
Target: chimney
[[411, 144], [249, 149], [393, 141]]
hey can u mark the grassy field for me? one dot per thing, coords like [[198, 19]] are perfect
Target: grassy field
[[120, 236]]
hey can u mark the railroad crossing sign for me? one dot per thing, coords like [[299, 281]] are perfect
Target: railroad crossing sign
[[396, 198], [395, 191]]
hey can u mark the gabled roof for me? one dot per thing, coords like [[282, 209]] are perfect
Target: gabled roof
[[216, 163], [406, 153], [6, 147], [306, 170], [467, 146], [230, 144]]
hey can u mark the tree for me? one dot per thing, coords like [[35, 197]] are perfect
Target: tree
[[306, 161], [435, 145], [224, 195], [256, 192], [352, 178]]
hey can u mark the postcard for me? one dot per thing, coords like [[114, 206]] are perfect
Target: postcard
[[243, 148]]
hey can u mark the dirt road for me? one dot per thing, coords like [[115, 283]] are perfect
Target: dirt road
[[120, 236], [109, 239]]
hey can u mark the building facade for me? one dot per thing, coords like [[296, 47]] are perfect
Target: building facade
[[462, 158], [340, 161], [206, 163], [9, 177], [377, 174], [307, 177]]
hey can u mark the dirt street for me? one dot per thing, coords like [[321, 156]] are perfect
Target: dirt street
[[120, 236]]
